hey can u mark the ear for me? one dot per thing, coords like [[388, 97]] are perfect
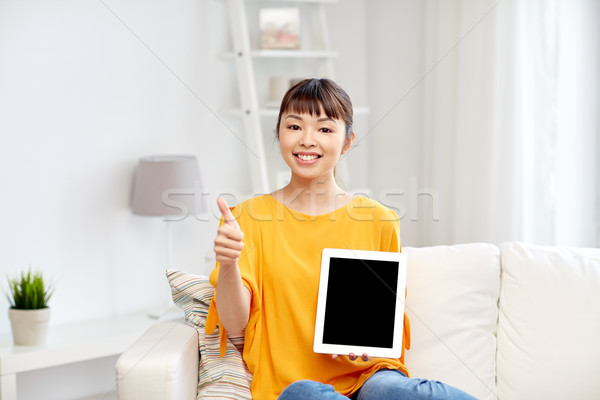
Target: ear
[[349, 142]]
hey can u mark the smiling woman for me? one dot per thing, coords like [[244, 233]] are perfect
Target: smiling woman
[[267, 272]]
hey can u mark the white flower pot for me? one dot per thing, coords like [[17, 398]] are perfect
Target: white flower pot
[[29, 327]]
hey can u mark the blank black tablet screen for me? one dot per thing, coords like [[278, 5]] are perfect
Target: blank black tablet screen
[[361, 302]]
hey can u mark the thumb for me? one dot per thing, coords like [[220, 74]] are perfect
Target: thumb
[[226, 212]]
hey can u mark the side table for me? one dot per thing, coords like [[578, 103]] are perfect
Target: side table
[[67, 344]]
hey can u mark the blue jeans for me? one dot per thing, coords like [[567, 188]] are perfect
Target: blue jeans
[[385, 384]]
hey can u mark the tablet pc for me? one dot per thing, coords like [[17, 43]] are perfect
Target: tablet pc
[[360, 307]]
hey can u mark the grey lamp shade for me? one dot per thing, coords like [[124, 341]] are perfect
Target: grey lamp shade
[[166, 185]]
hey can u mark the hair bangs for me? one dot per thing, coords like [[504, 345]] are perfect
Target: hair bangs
[[314, 101]]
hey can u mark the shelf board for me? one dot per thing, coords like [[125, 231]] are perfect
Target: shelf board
[[274, 112], [284, 54]]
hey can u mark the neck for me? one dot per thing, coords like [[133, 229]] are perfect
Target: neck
[[321, 186], [313, 196]]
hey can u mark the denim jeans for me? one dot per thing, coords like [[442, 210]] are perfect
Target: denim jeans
[[383, 385]]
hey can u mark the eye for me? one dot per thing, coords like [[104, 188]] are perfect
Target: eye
[[293, 127], [326, 130]]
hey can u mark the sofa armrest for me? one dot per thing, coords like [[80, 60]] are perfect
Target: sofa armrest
[[161, 364]]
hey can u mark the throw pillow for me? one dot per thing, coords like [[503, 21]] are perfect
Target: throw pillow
[[452, 305], [218, 377], [549, 322]]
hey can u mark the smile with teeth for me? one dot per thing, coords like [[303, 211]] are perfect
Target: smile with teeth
[[307, 157]]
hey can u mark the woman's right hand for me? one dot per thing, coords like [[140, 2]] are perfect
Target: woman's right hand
[[232, 298], [229, 242]]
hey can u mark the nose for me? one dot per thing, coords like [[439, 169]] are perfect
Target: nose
[[308, 138]]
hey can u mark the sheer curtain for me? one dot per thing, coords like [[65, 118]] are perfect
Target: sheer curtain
[[468, 121], [559, 102], [510, 121]]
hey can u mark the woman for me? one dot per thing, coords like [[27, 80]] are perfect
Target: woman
[[268, 251]]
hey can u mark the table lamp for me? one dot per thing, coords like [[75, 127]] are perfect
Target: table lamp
[[165, 186]]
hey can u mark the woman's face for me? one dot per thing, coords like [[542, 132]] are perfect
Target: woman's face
[[311, 146]]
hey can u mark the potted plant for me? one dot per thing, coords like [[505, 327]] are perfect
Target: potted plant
[[29, 314]]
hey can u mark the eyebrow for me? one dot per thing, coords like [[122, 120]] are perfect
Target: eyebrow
[[322, 119]]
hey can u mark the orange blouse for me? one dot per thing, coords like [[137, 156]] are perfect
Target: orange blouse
[[280, 265]]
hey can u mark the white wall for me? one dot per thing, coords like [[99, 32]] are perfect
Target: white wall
[[86, 89]]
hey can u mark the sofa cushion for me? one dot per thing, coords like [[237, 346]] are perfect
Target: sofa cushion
[[452, 304], [218, 377], [549, 321]]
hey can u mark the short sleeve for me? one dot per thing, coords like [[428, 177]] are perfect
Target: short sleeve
[[390, 231]]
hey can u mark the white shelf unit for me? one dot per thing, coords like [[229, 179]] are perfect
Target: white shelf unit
[[318, 52]]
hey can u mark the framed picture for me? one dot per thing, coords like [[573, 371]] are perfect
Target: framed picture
[[279, 28]]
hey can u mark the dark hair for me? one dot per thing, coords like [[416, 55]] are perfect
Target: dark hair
[[309, 95]]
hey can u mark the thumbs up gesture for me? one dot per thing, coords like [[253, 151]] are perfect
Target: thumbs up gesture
[[230, 238]]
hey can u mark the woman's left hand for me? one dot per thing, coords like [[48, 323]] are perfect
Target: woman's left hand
[[353, 357]]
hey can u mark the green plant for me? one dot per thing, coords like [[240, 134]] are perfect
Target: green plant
[[29, 291]]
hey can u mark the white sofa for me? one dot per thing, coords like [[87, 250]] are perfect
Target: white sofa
[[513, 322]]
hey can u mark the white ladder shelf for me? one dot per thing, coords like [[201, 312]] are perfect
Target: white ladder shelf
[[244, 56]]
